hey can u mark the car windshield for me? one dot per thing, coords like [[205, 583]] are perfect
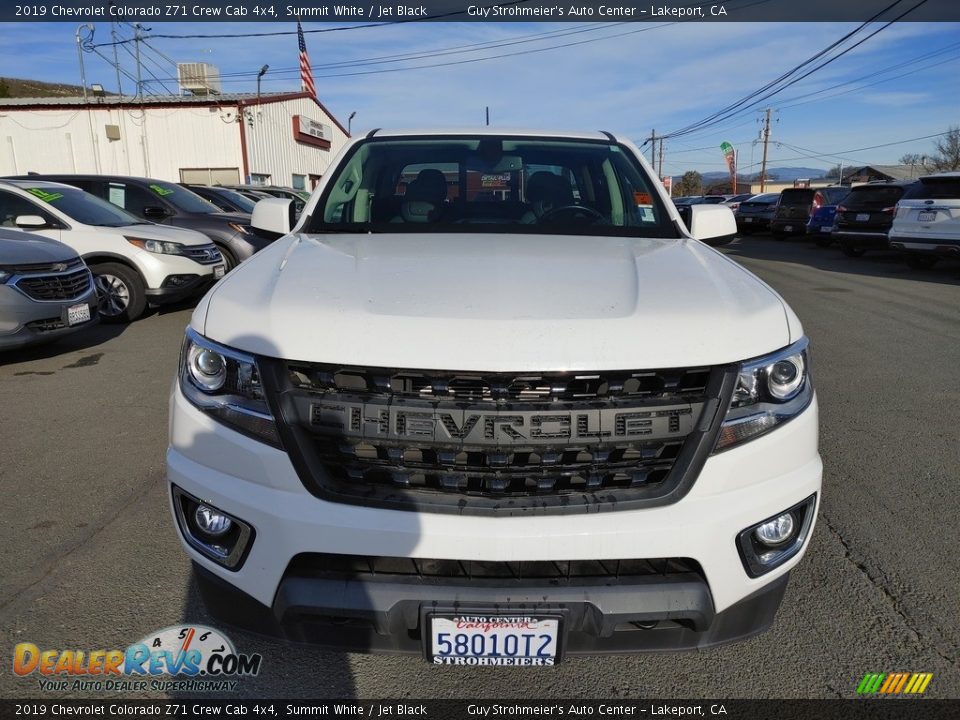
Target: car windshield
[[83, 207], [492, 184], [796, 197], [184, 200], [873, 197]]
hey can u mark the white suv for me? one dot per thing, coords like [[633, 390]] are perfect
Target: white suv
[[926, 226], [133, 262], [491, 402]]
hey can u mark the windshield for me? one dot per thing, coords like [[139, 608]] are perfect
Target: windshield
[[241, 202], [184, 200], [84, 207], [492, 184]]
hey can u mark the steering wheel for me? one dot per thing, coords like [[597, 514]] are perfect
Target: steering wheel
[[573, 211]]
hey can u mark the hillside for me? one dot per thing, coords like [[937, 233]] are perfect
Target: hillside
[[17, 88]]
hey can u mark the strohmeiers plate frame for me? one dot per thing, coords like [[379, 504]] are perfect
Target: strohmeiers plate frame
[[548, 612]]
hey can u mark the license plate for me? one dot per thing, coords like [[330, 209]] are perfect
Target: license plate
[[788, 228], [862, 217], [748, 219], [513, 640], [826, 228], [218, 271], [927, 216], [77, 314]]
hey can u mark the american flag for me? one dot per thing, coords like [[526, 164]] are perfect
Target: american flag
[[306, 74]]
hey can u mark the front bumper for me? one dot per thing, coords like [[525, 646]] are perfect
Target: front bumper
[[24, 321], [257, 484], [170, 292]]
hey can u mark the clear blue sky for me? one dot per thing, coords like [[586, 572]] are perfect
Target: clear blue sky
[[627, 78]]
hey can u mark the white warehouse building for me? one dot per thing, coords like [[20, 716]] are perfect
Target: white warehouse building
[[278, 139]]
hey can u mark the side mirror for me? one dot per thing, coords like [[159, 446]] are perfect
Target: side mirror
[[272, 216], [154, 212], [712, 224], [30, 222]]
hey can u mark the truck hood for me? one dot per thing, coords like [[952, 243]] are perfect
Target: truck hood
[[21, 248], [495, 303]]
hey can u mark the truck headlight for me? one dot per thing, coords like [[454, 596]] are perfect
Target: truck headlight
[[770, 391], [225, 384]]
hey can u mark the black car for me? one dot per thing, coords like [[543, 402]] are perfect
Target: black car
[[167, 203], [224, 198], [865, 216], [796, 205], [755, 213]]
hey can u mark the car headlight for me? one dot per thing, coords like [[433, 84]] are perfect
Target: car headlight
[[225, 384], [161, 247], [242, 229], [770, 391]]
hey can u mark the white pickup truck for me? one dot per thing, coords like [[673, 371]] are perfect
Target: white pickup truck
[[493, 402]]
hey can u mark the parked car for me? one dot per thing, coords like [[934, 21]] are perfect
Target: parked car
[[864, 217], [167, 203], [820, 224], [926, 226], [46, 291], [224, 198], [614, 447], [756, 212], [796, 205], [733, 201], [134, 262], [299, 197]]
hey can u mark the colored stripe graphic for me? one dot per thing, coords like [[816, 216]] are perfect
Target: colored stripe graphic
[[894, 683]]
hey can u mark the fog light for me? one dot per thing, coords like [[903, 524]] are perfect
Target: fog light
[[210, 522], [777, 531], [772, 542], [224, 539]]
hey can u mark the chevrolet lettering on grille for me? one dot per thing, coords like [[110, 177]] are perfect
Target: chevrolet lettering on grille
[[358, 420]]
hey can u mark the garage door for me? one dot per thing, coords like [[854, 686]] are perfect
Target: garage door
[[210, 176]]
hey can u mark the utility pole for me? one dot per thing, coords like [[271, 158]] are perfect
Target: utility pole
[[766, 140], [660, 163], [653, 148], [136, 44]]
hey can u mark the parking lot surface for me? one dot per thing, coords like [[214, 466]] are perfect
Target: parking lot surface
[[91, 560]]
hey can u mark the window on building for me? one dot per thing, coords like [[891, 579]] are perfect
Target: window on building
[[299, 182], [259, 179]]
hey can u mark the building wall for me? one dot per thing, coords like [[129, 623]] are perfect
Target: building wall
[[271, 148], [159, 141]]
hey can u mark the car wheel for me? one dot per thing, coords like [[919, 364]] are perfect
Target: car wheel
[[920, 262], [229, 259], [852, 250], [120, 293]]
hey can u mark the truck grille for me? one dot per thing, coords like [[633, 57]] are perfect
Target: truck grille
[[492, 442], [336, 566], [62, 286]]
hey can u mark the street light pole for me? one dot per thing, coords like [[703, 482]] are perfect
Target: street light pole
[[350, 123], [263, 71]]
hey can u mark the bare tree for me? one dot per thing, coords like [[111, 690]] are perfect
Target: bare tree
[[948, 151]]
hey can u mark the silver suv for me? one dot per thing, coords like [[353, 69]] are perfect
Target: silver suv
[[45, 290], [926, 226]]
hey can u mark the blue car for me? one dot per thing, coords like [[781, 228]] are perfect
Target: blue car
[[820, 224]]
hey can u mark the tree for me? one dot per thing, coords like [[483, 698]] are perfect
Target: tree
[[4, 88], [690, 184], [833, 173], [913, 159], [948, 151]]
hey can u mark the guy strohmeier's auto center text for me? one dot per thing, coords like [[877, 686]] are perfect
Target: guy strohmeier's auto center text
[[252, 9]]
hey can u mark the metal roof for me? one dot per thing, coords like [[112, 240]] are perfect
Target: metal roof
[[117, 100]]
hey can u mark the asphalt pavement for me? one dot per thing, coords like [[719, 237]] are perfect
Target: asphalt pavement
[[90, 559]]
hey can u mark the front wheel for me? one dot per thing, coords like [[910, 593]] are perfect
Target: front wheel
[[121, 294], [229, 260]]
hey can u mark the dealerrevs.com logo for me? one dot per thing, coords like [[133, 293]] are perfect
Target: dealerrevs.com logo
[[191, 658]]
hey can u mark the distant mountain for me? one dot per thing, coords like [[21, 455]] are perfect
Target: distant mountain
[[17, 88], [785, 174]]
